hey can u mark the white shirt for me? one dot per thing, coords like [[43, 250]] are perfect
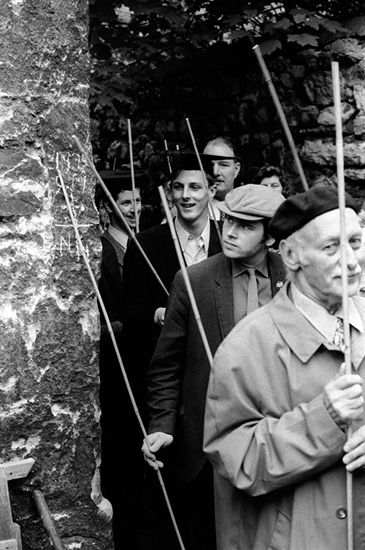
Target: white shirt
[[195, 249], [119, 236]]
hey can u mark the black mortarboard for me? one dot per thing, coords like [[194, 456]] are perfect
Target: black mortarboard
[[119, 180], [187, 160], [297, 211]]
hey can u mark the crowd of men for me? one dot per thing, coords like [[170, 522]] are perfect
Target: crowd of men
[[253, 447]]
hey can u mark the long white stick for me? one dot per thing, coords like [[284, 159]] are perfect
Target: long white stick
[[118, 211], [281, 114], [344, 271], [185, 275], [130, 143], [211, 209], [114, 342]]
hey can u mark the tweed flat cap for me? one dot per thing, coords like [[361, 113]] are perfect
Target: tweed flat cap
[[251, 202], [300, 209]]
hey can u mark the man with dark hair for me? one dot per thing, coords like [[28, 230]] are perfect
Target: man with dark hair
[[123, 491], [225, 166], [179, 371], [279, 401]]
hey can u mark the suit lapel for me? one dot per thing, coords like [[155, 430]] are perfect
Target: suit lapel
[[223, 295], [276, 271]]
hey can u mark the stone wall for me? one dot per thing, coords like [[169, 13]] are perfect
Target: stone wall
[[48, 314]]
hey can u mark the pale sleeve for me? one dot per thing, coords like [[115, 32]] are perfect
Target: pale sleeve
[[253, 435]]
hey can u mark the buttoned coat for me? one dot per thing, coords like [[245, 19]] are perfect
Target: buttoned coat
[[281, 484], [179, 371]]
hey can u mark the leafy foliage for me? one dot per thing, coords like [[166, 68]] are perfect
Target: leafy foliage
[[144, 39]]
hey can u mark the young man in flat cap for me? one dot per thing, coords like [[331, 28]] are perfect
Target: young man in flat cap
[[225, 166], [179, 371], [122, 489], [279, 402]]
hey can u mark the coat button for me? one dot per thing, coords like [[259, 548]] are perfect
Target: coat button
[[341, 512]]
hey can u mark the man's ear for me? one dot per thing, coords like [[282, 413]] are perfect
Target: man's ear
[[269, 241], [108, 207], [237, 169], [290, 254], [212, 190]]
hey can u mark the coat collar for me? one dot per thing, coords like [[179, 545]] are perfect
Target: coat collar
[[293, 326]]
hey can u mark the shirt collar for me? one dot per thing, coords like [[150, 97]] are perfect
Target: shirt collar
[[184, 235], [119, 236], [319, 317], [239, 267]]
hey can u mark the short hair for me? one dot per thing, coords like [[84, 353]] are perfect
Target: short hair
[[225, 141], [176, 172], [268, 171]]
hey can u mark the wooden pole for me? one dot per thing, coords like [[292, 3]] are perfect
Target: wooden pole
[[186, 276], [344, 271], [116, 349], [47, 520], [211, 209], [168, 158], [118, 211], [130, 143], [281, 114]]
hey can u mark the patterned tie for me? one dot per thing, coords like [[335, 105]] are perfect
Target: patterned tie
[[252, 291], [339, 338]]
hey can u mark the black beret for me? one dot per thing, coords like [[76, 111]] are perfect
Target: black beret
[[297, 211]]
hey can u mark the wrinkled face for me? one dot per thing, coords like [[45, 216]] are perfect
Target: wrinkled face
[[319, 257], [273, 182], [224, 171], [244, 240], [190, 196], [126, 205]]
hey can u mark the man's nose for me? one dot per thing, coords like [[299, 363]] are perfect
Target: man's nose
[[351, 257], [232, 230], [216, 170], [186, 193]]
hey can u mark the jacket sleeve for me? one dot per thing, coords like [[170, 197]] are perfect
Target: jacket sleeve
[[254, 435], [165, 373]]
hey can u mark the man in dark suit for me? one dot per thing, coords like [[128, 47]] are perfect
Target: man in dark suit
[[144, 299], [123, 491], [226, 287]]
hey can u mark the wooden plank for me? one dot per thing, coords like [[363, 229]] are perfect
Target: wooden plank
[[6, 520], [17, 469], [8, 544], [18, 536]]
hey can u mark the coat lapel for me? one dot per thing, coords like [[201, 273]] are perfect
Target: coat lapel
[[223, 295], [276, 271]]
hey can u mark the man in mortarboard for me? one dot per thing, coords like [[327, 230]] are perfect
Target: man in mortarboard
[[226, 287], [122, 489], [225, 167]]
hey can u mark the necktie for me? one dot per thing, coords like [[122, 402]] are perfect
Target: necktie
[[339, 339], [252, 291]]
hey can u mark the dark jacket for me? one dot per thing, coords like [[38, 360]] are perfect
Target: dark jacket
[[179, 372]]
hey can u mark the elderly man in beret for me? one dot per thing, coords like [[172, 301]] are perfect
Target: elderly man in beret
[[279, 401], [243, 277]]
